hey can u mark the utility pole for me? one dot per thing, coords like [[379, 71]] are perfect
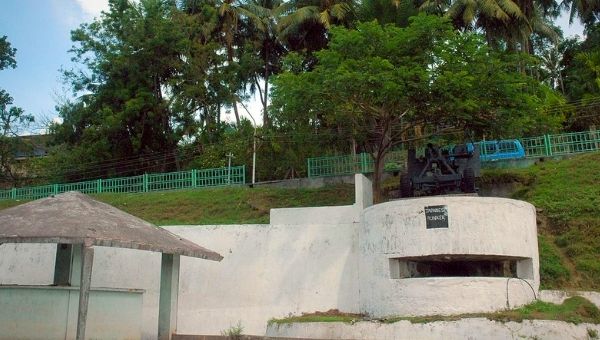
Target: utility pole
[[253, 145], [230, 156]]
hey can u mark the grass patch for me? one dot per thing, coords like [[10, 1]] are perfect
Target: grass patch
[[10, 203], [575, 310], [316, 318], [228, 205], [553, 272], [332, 315]]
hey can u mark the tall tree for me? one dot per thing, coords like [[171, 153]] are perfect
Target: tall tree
[[131, 53], [388, 12], [264, 17], [229, 21], [507, 23], [12, 118], [378, 83], [305, 29], [588, 11]]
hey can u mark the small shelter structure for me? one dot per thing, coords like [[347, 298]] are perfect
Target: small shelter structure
[[77, 223]]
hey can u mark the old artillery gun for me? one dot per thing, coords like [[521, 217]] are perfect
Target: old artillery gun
[[441, 171]]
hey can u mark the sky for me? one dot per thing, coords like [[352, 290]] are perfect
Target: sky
[[40, 31]]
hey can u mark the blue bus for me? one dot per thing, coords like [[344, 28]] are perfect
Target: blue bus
[[493, 150]]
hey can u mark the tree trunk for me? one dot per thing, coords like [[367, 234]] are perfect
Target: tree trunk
[[266, 119], [377, 177], [265, 101], [237, 114], [234, 102]]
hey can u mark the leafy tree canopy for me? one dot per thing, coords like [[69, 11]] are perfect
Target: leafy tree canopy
[[385, 85], [7, 54], [12, 118]]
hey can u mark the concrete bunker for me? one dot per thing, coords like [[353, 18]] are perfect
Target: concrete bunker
[[447, 255]]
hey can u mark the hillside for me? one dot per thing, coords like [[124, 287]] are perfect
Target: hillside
[[566, 193], [567, 196], [221, 205]]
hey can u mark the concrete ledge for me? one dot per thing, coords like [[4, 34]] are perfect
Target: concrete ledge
[[474, 328], [92, 289], [224, 337], [558, 296]]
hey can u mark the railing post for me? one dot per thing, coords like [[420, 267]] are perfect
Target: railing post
[[99, 185], [145, 177], [363, 162], [194, 178], [55, 189], [595, 139], [548, 145], [244, 174], [482, 148], [13, 193], [308, 168], [229, 173]]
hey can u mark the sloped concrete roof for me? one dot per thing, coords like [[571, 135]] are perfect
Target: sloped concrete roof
[[75, 218]]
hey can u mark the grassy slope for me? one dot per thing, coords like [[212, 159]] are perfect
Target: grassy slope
[[223, 205], [567, 195]]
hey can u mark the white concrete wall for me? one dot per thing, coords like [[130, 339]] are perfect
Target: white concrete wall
[[315, 215], [267, 271], [33, 264], [47, 312], [475, 328], [477, 226]]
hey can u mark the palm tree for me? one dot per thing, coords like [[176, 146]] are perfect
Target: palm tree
[[305, 29], [551, 66], [506, 23], [263, 18], [587, 10], [387, 12], [229, 17]]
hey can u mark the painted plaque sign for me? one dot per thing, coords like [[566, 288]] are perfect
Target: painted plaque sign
[[436, 216]]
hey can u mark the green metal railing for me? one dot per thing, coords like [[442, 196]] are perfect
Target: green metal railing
[[142, 183], [352, 164], [561, 144], [535, 147]]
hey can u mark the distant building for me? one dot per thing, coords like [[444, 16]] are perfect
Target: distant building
[[31, 146]]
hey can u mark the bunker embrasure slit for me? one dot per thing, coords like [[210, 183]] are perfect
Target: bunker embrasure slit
[[460, 266]]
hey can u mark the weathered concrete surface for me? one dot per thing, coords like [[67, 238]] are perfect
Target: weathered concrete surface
[[475, 328], [316, 215], [75, 218], [267, 272], [476, 226], [36, 312], [558, 296]]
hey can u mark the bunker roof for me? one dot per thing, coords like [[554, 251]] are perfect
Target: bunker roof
[[75, 218]]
